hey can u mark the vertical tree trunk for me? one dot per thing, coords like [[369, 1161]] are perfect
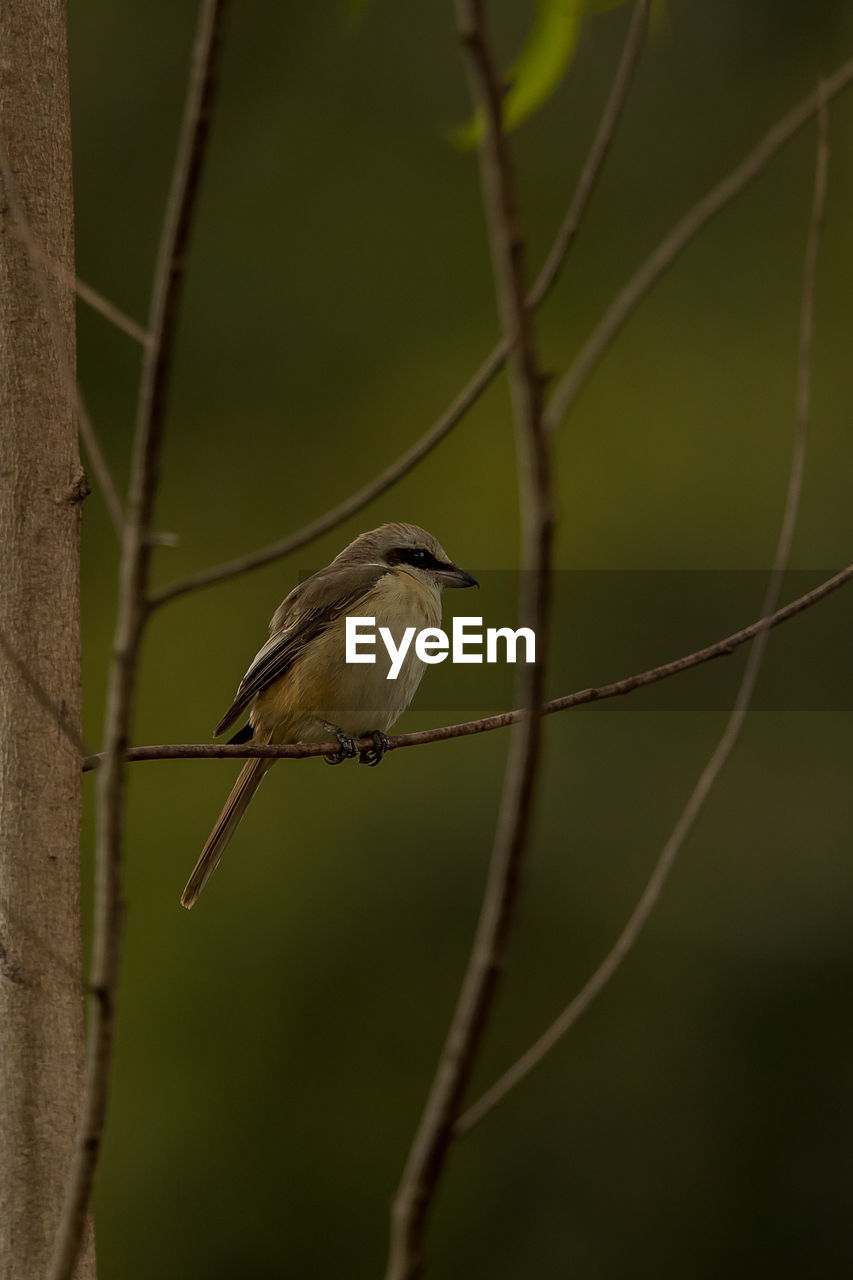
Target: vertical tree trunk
[[41, 488]]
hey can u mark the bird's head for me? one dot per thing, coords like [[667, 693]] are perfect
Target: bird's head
[[411, 549]]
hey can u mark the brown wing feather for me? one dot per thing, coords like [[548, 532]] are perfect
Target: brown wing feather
[[300, 618]]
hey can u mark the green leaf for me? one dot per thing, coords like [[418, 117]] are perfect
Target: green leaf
[[540, 66], [544, 60], [538, 69]]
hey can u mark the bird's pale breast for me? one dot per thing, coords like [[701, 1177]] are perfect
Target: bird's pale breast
[[321, 688]]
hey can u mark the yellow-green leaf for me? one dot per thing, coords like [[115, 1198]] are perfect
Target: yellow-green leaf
[[541, 65], [538, 69]]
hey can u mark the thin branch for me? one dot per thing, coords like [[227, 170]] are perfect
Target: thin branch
[[468, 728], [594, 164], [354, 503], [85, 292], [487, 371], [110, 312], [57, 713], [656, 266], [709, 775], [428, 1154], [132, 612], [99, 464], [37, 259]]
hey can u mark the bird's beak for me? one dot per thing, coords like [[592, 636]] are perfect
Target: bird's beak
[[452, 576]]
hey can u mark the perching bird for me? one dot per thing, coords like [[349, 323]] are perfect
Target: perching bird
[[299, 687]]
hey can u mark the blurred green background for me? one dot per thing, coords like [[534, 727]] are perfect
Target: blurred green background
[[275, 1045]]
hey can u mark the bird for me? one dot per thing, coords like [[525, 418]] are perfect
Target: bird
[[299, 687]]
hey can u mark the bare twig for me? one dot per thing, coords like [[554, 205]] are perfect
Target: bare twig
[[487, 371], [594, 164], [424, 1167], [709, 775], [110, 311], [355, 502], [37, 261], [85, 292], [42, 697], [423, 737], [100, 466], [132, 611], [656, 266]]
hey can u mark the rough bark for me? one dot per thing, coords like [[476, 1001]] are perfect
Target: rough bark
[[41, 492]]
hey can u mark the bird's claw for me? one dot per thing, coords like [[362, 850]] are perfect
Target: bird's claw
[[374, 754], [346, 747]]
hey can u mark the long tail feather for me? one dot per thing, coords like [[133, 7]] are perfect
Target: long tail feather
[[245, 787]]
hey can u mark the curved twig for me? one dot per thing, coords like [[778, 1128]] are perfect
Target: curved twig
[[656, 266], [707, 778], [132, 611], [424, 1166], [488, 370]]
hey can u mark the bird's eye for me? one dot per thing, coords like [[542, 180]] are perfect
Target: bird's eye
[[417, 557]]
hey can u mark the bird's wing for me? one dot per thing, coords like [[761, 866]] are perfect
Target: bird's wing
[[304, 614]]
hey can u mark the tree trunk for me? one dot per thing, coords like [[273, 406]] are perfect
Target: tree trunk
[[41, 490]]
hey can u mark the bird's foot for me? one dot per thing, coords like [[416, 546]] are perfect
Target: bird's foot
[[374, 754], [346, 746]]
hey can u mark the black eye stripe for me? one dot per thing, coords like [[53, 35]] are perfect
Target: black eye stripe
[[417, 557]]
